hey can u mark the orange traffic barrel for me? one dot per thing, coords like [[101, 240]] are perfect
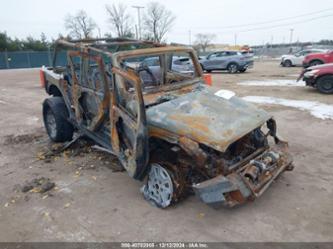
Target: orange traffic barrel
[[42, 77], [208, 79]]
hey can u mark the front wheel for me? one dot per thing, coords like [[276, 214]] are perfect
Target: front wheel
[[55, 117], [242, 70], [325, 84], [159, 189], [287, 63], [232, 68], [315, 63]]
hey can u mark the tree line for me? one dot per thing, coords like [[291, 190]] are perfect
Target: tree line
[[29, 44], [156, 23]]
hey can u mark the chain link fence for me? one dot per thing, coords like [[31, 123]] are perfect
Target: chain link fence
[[33, 59], [29, 59], [269, 51]]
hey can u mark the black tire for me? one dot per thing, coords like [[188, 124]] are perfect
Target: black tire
[[243, 70], [208, 71], [287, 63], [55, 116], [325, 84], [315, 63], [232, 67]]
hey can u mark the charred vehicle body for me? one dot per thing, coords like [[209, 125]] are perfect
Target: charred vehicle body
[[166, 127]]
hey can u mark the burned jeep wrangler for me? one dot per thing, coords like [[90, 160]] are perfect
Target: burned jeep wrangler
[[147, 104]]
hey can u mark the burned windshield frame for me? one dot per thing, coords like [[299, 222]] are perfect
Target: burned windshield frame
[[165, 62]]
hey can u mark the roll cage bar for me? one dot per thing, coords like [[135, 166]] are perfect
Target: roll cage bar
[[102, 45]]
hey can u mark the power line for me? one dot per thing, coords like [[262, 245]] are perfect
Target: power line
[[276, 26], [285, 24], [266, 22]]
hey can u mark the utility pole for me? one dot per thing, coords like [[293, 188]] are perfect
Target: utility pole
[[291, 36], [189, 37], [99, 32], [136, 32], [138, 8], [6, 58]]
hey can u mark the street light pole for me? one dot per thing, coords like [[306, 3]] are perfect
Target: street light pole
[[138, 8]]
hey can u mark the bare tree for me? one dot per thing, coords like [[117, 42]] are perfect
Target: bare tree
[[204, 40], [80, 25], [157, 21], [120, 19]]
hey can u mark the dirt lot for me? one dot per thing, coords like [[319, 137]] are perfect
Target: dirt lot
[[92, 201]]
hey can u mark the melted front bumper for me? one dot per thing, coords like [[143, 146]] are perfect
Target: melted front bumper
[[247, 182]]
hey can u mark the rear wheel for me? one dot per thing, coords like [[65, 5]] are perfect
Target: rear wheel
[[232, 68], [315, 63], [325, 84], [55, 116], [287, 63]]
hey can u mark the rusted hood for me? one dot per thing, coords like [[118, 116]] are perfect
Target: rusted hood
[[206, 118]]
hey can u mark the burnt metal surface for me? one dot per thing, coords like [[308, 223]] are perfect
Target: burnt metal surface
[[248, 182], [221, 148], [206, 118]]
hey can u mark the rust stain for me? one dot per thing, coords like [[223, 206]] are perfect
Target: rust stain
[[150, 98], [228, 133], [199, 123]]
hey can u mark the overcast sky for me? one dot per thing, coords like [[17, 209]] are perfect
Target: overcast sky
[[20, 18]]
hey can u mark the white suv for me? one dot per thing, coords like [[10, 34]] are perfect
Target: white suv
[[296, 59]]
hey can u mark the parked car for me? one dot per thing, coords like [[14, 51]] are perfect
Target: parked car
[[296, 59], [179, 64], [320, 77], [233, 61], [173, 132], [318, 58]]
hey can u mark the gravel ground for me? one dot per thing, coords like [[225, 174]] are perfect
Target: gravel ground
[[93, 201]]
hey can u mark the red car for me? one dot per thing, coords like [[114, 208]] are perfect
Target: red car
[[320, 77], [318, 58]]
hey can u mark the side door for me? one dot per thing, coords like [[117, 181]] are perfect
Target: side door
[[228, 56], [129, 131], [90, 95], [214, 61], [299, 57]]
